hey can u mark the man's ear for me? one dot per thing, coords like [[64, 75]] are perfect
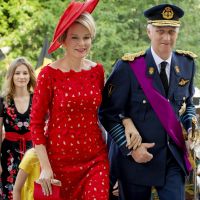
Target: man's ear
[[149, 33]]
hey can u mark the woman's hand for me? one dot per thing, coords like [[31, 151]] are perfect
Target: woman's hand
[[46, 171], [133, 137], [45, 178]]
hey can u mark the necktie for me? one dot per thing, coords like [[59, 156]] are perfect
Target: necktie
[[163, 77]]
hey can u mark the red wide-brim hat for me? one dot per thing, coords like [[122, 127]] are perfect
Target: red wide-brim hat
[[72, 12]]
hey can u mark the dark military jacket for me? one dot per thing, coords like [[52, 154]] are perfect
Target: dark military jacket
[[123, 96]]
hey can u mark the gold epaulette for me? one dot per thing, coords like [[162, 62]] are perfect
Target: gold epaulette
[[132, 56], [187, 53]]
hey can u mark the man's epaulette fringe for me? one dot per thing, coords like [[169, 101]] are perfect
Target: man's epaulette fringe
[[132, 56], [187, 53]]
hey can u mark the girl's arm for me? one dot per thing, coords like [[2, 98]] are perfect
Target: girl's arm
[[19, 183]]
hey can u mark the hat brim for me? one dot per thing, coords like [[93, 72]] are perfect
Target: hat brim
[[73, 11]]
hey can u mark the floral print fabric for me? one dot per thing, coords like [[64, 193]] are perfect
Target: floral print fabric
[[11, 155], [15, 121]]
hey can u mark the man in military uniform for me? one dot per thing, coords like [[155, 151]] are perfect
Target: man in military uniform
[[150, 88]]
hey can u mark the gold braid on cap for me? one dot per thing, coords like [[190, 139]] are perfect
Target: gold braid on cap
[[174, 23]]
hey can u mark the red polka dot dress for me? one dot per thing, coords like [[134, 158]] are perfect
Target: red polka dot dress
[[74, 142]]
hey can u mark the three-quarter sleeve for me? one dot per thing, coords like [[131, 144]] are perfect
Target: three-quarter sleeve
[[42, 99]]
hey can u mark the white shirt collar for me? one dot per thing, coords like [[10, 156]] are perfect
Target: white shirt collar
[[158, 60]]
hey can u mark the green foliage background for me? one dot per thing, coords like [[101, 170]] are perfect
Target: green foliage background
[[121, 28]]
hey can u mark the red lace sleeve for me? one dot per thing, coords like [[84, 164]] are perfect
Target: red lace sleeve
[[40, 106]]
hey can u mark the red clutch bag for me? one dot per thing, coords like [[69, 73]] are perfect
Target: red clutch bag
[[38, 194]]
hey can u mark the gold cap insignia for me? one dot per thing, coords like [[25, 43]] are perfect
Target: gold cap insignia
[[151, 70], [177, 69], [183, 82], [167, 13]]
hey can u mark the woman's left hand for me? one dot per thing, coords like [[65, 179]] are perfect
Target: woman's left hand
[[133, 137]]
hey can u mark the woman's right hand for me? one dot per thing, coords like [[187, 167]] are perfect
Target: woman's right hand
[[45, 180]]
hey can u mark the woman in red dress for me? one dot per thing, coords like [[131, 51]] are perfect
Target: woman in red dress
[[69, 92]]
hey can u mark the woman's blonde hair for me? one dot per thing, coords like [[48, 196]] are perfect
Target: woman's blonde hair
[[9, 87], [86, 20]]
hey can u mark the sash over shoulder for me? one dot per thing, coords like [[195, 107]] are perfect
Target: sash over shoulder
[[160, 105]]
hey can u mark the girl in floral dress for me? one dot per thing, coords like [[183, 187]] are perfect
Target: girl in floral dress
[[14, 116]]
